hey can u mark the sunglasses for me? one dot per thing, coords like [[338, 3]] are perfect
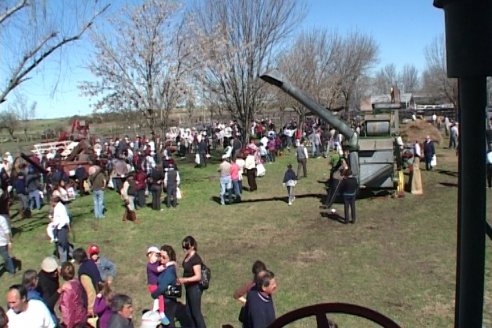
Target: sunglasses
[[186, 247]]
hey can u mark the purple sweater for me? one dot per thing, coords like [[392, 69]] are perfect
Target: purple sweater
[[103, 311], [152, 273]]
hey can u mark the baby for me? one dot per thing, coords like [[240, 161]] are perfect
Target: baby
[[154, 268]]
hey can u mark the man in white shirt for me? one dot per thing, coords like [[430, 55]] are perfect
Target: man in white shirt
[[6, 244], [61, 220], [24, 313]]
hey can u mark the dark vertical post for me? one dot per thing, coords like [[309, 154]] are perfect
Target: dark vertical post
[[469, 58], [471, 199]]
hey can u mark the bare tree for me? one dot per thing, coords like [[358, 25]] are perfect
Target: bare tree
[[408, 79], [310, 64], [141, 62], [9, 121], [34, 30], [359, 53], [385, 79], [236, 41], [329, 67], [24, 112], [190, 103], [435, 79]]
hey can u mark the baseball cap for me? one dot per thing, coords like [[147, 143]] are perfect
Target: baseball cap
[[152, 249], [92, 249]]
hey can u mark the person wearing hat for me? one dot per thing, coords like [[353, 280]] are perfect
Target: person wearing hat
[[154, 269], [171, 183], [107, 269], [225, 178], [48, 282]]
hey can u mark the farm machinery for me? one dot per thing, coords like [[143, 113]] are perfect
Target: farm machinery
[[372, 153]]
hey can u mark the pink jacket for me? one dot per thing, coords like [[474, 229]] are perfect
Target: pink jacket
[[73, 303], [234, 171]]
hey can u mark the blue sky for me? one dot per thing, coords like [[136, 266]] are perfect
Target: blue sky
[[401, 28]]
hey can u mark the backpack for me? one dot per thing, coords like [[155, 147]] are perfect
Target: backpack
[[206, 276]]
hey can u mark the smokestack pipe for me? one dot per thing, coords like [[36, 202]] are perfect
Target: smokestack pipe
[[275, 78]]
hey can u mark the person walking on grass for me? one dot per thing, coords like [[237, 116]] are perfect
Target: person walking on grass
[[429, 152], [171, 183], [349, 188], [250, 167], [290, 181], [98, 182], [302, 156], [225, 179]]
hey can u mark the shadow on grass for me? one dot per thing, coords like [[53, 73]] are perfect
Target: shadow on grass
[[447, 184], [17, 266], [269, 199], [36, 220], [333, 216], [28, 225], [448, 173]]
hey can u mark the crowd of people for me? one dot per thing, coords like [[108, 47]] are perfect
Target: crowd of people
[[137, 168], [84, 297]]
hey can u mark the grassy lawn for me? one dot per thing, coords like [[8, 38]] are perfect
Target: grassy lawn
[[398, 259]]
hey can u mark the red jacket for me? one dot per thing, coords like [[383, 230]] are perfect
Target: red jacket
[[73, 304], [140, 180]]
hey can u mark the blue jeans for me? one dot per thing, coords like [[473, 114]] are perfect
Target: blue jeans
[[224, 182], [290, 193], [9, 263], [98, 196], [23, 201], [194, 304], [236, 188], [35, 199], [63, 244], [171, 196]]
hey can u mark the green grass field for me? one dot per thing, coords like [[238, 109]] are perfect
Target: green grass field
[[398, 259]]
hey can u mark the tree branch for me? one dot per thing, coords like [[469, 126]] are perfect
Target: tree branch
[[20, 74], [9, 12]]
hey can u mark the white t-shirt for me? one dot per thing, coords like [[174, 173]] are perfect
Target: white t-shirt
[[4, 230], [37, 315], [60, 216]]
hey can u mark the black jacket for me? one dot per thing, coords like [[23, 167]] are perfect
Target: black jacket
[[349, 186]]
